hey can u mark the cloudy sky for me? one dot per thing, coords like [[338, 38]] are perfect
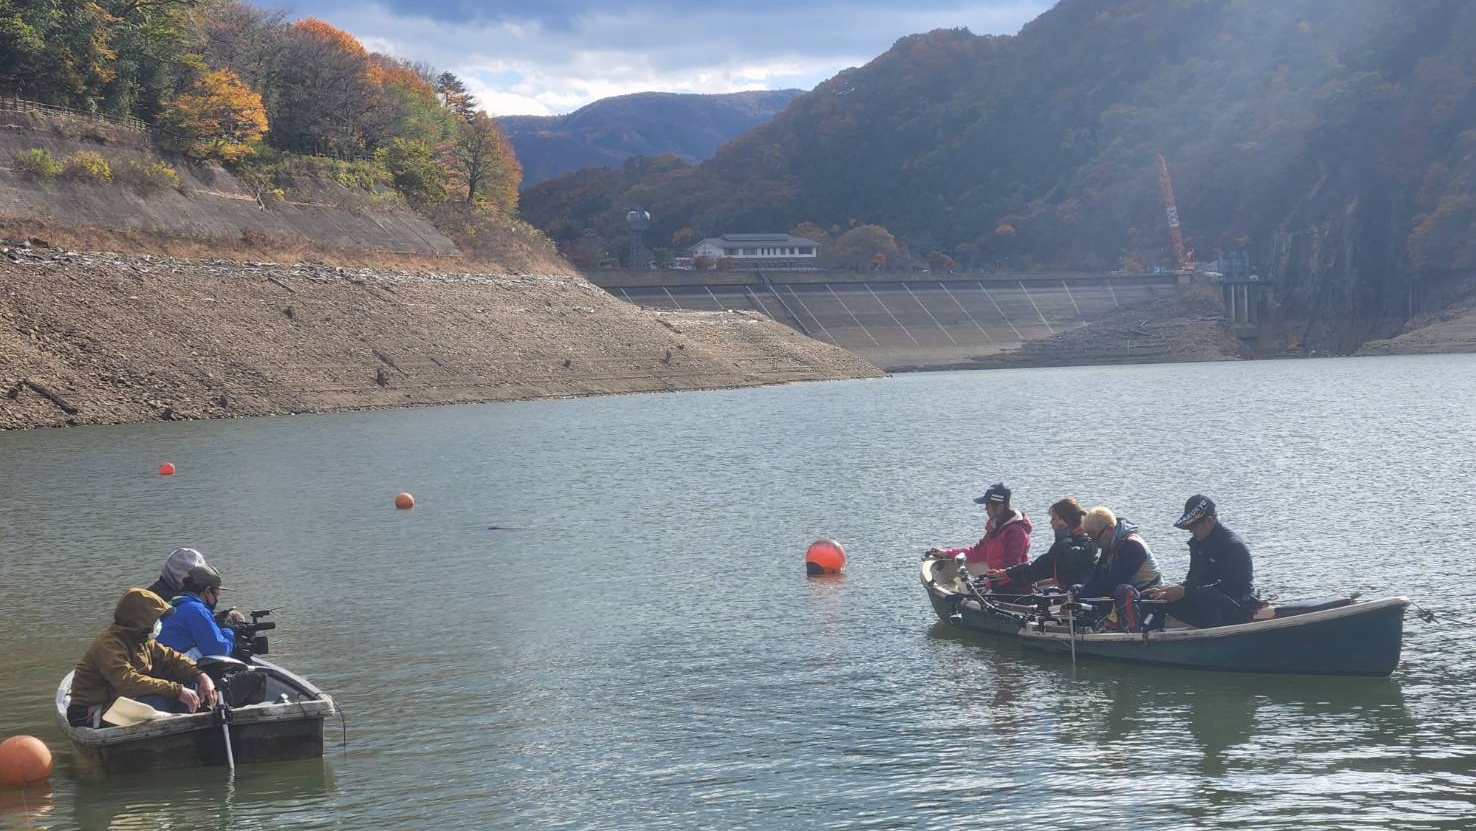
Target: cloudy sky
[[542, 57]]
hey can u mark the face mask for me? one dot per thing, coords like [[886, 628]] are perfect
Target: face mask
[[154, 632], [1062, 532]]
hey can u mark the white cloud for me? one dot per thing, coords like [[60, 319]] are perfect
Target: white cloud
[[518, 65]]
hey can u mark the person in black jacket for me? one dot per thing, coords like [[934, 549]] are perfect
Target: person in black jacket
[[1218, 590], [1071, 559]]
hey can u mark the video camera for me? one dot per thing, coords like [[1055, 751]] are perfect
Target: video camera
[[249, 641]]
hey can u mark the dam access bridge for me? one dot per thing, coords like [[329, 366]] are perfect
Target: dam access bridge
[[902, 321]]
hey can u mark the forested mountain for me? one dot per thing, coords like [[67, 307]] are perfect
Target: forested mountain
[[227, 81], [1331, 139], [611, 130]]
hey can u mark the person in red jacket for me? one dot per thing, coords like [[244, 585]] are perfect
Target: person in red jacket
[[1006, 540]]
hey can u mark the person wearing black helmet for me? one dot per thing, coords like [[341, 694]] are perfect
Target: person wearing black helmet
[[1218, 589]]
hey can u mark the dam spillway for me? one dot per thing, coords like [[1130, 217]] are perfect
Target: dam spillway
[[898, 322]]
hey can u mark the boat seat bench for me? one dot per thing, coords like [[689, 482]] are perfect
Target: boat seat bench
[[1313, 604]]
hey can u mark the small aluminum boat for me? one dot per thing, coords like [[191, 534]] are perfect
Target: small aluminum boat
[[287, 724]]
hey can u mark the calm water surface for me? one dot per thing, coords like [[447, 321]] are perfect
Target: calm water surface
[[635, 646]]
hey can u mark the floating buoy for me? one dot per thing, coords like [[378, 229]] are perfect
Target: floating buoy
[[166, 469], [824, 557], [404, 501], [24, 760]]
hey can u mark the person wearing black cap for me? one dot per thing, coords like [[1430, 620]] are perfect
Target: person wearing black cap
[[1006, 540], [1218, 589], [192, 628]]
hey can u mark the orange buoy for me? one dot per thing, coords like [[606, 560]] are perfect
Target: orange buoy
[[404, 501], [166, 469], [24, 760], [824, 557]]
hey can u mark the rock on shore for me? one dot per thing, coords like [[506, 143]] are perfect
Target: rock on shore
[[1447, 331], [1178, 326], [106, 338]]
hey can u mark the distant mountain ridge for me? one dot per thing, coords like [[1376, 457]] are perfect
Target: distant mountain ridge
[[1333, 142], [608, 131]]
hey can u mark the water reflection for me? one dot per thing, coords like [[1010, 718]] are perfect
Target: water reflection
[[1187, 745], [25, 807], [298, 794]]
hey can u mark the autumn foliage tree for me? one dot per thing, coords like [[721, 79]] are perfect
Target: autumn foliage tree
[[865, 246], [225, 77], [940, 262], [221, 118], [484, 163], [323, 90]]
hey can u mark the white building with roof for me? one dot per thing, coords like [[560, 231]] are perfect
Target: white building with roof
[[760, 250]]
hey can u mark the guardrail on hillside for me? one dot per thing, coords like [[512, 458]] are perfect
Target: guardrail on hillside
[[126, 122]]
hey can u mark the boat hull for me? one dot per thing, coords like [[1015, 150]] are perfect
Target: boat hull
[[939, 576], [1363, 638], [1358, 639], [205, 747], [273, 731]]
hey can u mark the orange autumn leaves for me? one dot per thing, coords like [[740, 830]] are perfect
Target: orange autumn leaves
[[221, 118]]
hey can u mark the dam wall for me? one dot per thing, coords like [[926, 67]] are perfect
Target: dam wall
[[915, 321]]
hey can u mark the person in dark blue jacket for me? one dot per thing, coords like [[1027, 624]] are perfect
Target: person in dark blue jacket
[[1125, 568], [192, 629], [1218, 590]]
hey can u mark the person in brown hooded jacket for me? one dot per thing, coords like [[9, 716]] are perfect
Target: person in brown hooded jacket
[[125, 660]]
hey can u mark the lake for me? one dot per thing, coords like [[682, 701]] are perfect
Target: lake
[[596, 616]]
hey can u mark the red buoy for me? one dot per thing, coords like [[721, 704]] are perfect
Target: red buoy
[[824, 557], [166, 469], [24, 760], [404, 501]]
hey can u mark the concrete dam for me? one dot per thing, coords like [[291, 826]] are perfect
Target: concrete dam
[[913, 321]]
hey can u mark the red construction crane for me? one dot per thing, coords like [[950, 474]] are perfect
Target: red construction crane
[[1166, 189]]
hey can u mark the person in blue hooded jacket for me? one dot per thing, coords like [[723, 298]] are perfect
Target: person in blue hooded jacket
[[192, 629]]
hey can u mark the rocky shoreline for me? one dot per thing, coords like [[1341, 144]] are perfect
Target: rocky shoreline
[[94, 338]]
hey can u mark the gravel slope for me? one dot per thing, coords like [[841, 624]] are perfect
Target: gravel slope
[[105, 338]]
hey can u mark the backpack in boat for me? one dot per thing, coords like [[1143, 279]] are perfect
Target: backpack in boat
[[241, 688], [1075, 560]]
